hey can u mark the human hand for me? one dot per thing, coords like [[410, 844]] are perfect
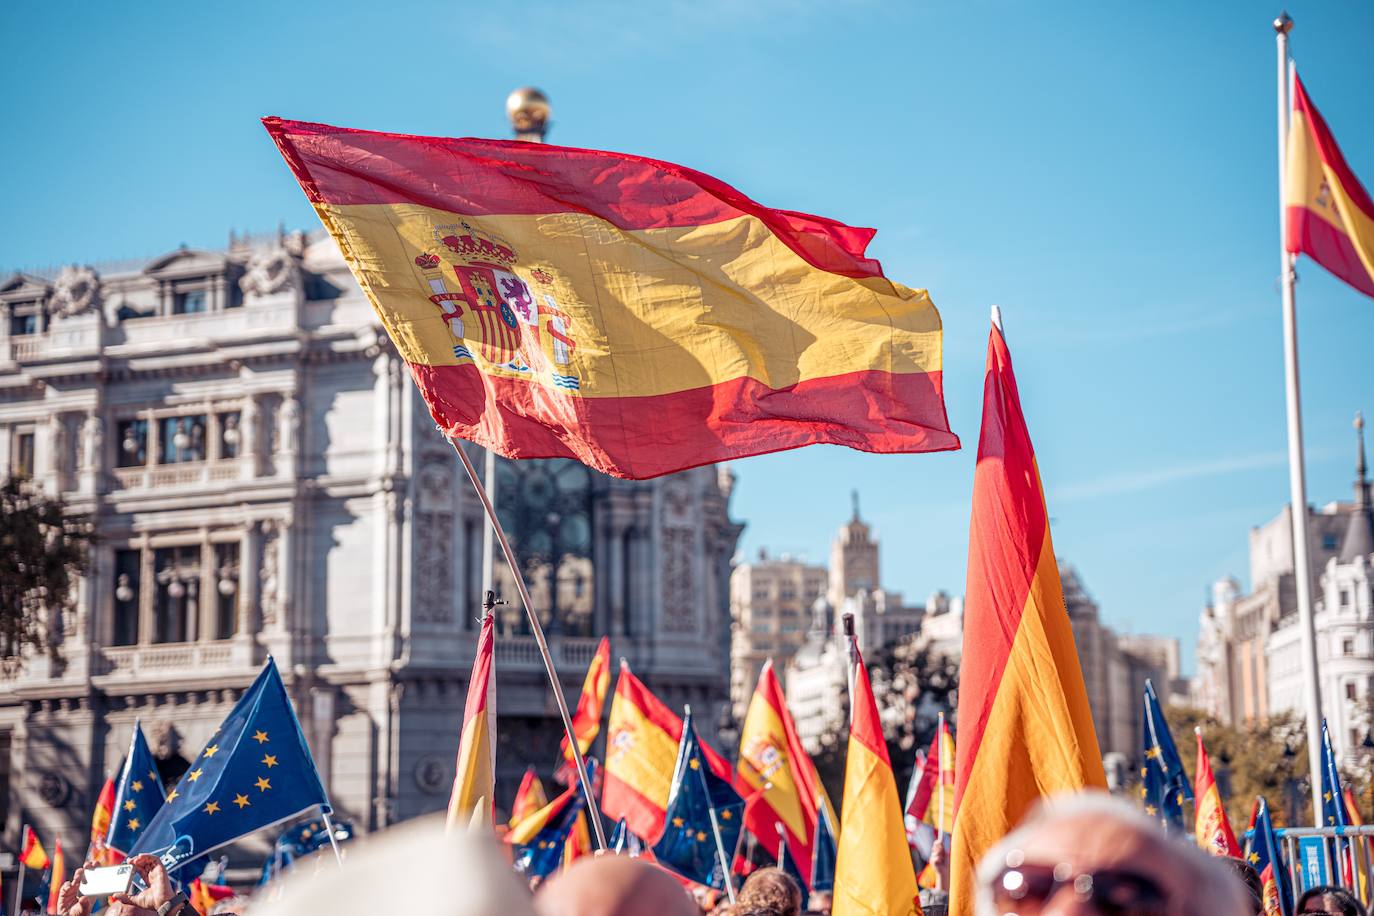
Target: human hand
[[157, 892], [126, 909], [69, 899]]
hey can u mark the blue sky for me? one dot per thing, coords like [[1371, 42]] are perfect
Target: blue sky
[[1105, 172]]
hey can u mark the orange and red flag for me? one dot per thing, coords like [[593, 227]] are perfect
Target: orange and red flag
[[873, 871], [776, 775], [1330, 216], [641, 753], [100, 827], [204, 895], [1212, 828], [633, 314], [474, 784], [1025, 729], [32, 854], [529, 798], [586, 719], [58, 876]]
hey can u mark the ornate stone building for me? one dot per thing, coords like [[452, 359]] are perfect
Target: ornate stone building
[[264, 479]]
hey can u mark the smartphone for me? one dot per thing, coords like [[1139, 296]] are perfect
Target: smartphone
[[102, 882]]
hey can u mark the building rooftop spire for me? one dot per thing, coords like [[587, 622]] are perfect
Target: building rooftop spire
[[854, 494], [1359, 533]]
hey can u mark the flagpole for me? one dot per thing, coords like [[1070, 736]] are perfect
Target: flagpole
[[494, 524], [329, 826], [1297, 474], [19, 885], [849, 645]]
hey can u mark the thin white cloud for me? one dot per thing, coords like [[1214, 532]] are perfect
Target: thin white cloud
[[1149, 479]]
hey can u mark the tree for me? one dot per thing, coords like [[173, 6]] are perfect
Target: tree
[[44, 551]]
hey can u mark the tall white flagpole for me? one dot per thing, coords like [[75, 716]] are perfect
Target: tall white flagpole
[[1297, 474]]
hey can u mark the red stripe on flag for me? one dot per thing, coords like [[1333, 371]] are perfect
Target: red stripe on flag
[[339, 165], [642, 437], [1330, 247], [1330, 151]]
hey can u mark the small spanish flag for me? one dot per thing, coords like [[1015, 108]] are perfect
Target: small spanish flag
[[586, 719], [642, 738], [58, 876], [1330, 216], [474, 783], [32, 854], [1025, 729], [529, 798], [100, 853], [1213, 828], [873, 871], [204, 895], [636, 315], [777, 775]]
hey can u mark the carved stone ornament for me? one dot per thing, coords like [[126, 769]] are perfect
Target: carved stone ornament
[[163, 739], [431, 775], [76, 291], [270, 271], [54, 789]]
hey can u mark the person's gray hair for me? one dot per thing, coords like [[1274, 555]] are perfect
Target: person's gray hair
[[1224, 894]]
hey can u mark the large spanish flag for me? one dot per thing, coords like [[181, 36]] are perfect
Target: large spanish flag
[[1212, 827], [474, 784], [1025, 729], [1329, 214], [773, 764], [641, 754], [633, 314], [873, 871], [586, 719]]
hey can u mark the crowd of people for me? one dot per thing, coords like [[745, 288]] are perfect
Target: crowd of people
[[1085, 853]]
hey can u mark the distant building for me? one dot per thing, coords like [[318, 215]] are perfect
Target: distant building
[[770, 603], [1236, 679], [1343, 617]]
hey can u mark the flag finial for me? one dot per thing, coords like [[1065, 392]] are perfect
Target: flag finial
[[1284, 23]]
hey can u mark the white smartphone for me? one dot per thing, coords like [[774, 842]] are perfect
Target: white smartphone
[[102, 882]]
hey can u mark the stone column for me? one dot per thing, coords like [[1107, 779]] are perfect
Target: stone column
[[322, 726], [92, 453], [288, 434], [248, 594], [250, 442]]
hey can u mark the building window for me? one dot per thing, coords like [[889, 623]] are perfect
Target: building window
[[546, 509], [178, 593], [133, 443], [1329, 542], [5, 743], [190, 302], [226, 590], [230, 435], [1350, 690], [1348, 646], [21, 455], [23, 325], [1346, 598], [181, 439], [126, 594]]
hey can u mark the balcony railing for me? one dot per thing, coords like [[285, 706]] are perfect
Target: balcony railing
[[570, 653], [180, 476], [133, 661]]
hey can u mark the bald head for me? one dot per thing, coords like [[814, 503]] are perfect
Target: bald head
[[614, 886]]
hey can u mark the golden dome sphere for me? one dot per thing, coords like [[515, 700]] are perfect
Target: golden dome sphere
[[528, 110]]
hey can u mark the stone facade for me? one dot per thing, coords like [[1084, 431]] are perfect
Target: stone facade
[[265, 480], [770, 603]]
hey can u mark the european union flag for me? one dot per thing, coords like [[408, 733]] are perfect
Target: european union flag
[[823, 853], [626, 841], [1164, 785], [138, 797], [255, 771], [1333, 800], [688, 844], [1267, 858], [542, 855]]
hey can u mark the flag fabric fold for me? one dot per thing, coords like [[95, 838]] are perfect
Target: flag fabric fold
[[529, 798], [1025, 728], [32, 853], [57, 877], [474, 780], [1212, 827], [541, 839], [586, 718], [255, 771], [625, 841], [1329, 214], [873, 871], [700, 804], [773, 763], [1164, 784], [633, 314], [1266, 856], [642, 737], [138, 796], [98, 851], [823, 853]]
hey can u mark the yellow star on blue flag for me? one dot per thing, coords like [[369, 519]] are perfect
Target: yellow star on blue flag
[[688, 845], [229, 792], [1164, 784], [138, 796]]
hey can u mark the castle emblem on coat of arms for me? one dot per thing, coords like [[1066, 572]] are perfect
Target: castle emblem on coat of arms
[[496, 317]]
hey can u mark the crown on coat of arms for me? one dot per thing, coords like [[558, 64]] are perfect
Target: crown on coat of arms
[[541, 277], [427, 261], [473, 245]]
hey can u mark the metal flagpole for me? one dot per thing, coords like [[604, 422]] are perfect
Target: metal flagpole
[[488, 536], [850, 644], [1297, 475], [593, 812], [329, 825], [19, 885]]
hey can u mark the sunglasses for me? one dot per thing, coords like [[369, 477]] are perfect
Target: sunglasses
[[1026, 888]]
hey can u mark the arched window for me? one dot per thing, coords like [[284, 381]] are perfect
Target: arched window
[[546, 509]]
